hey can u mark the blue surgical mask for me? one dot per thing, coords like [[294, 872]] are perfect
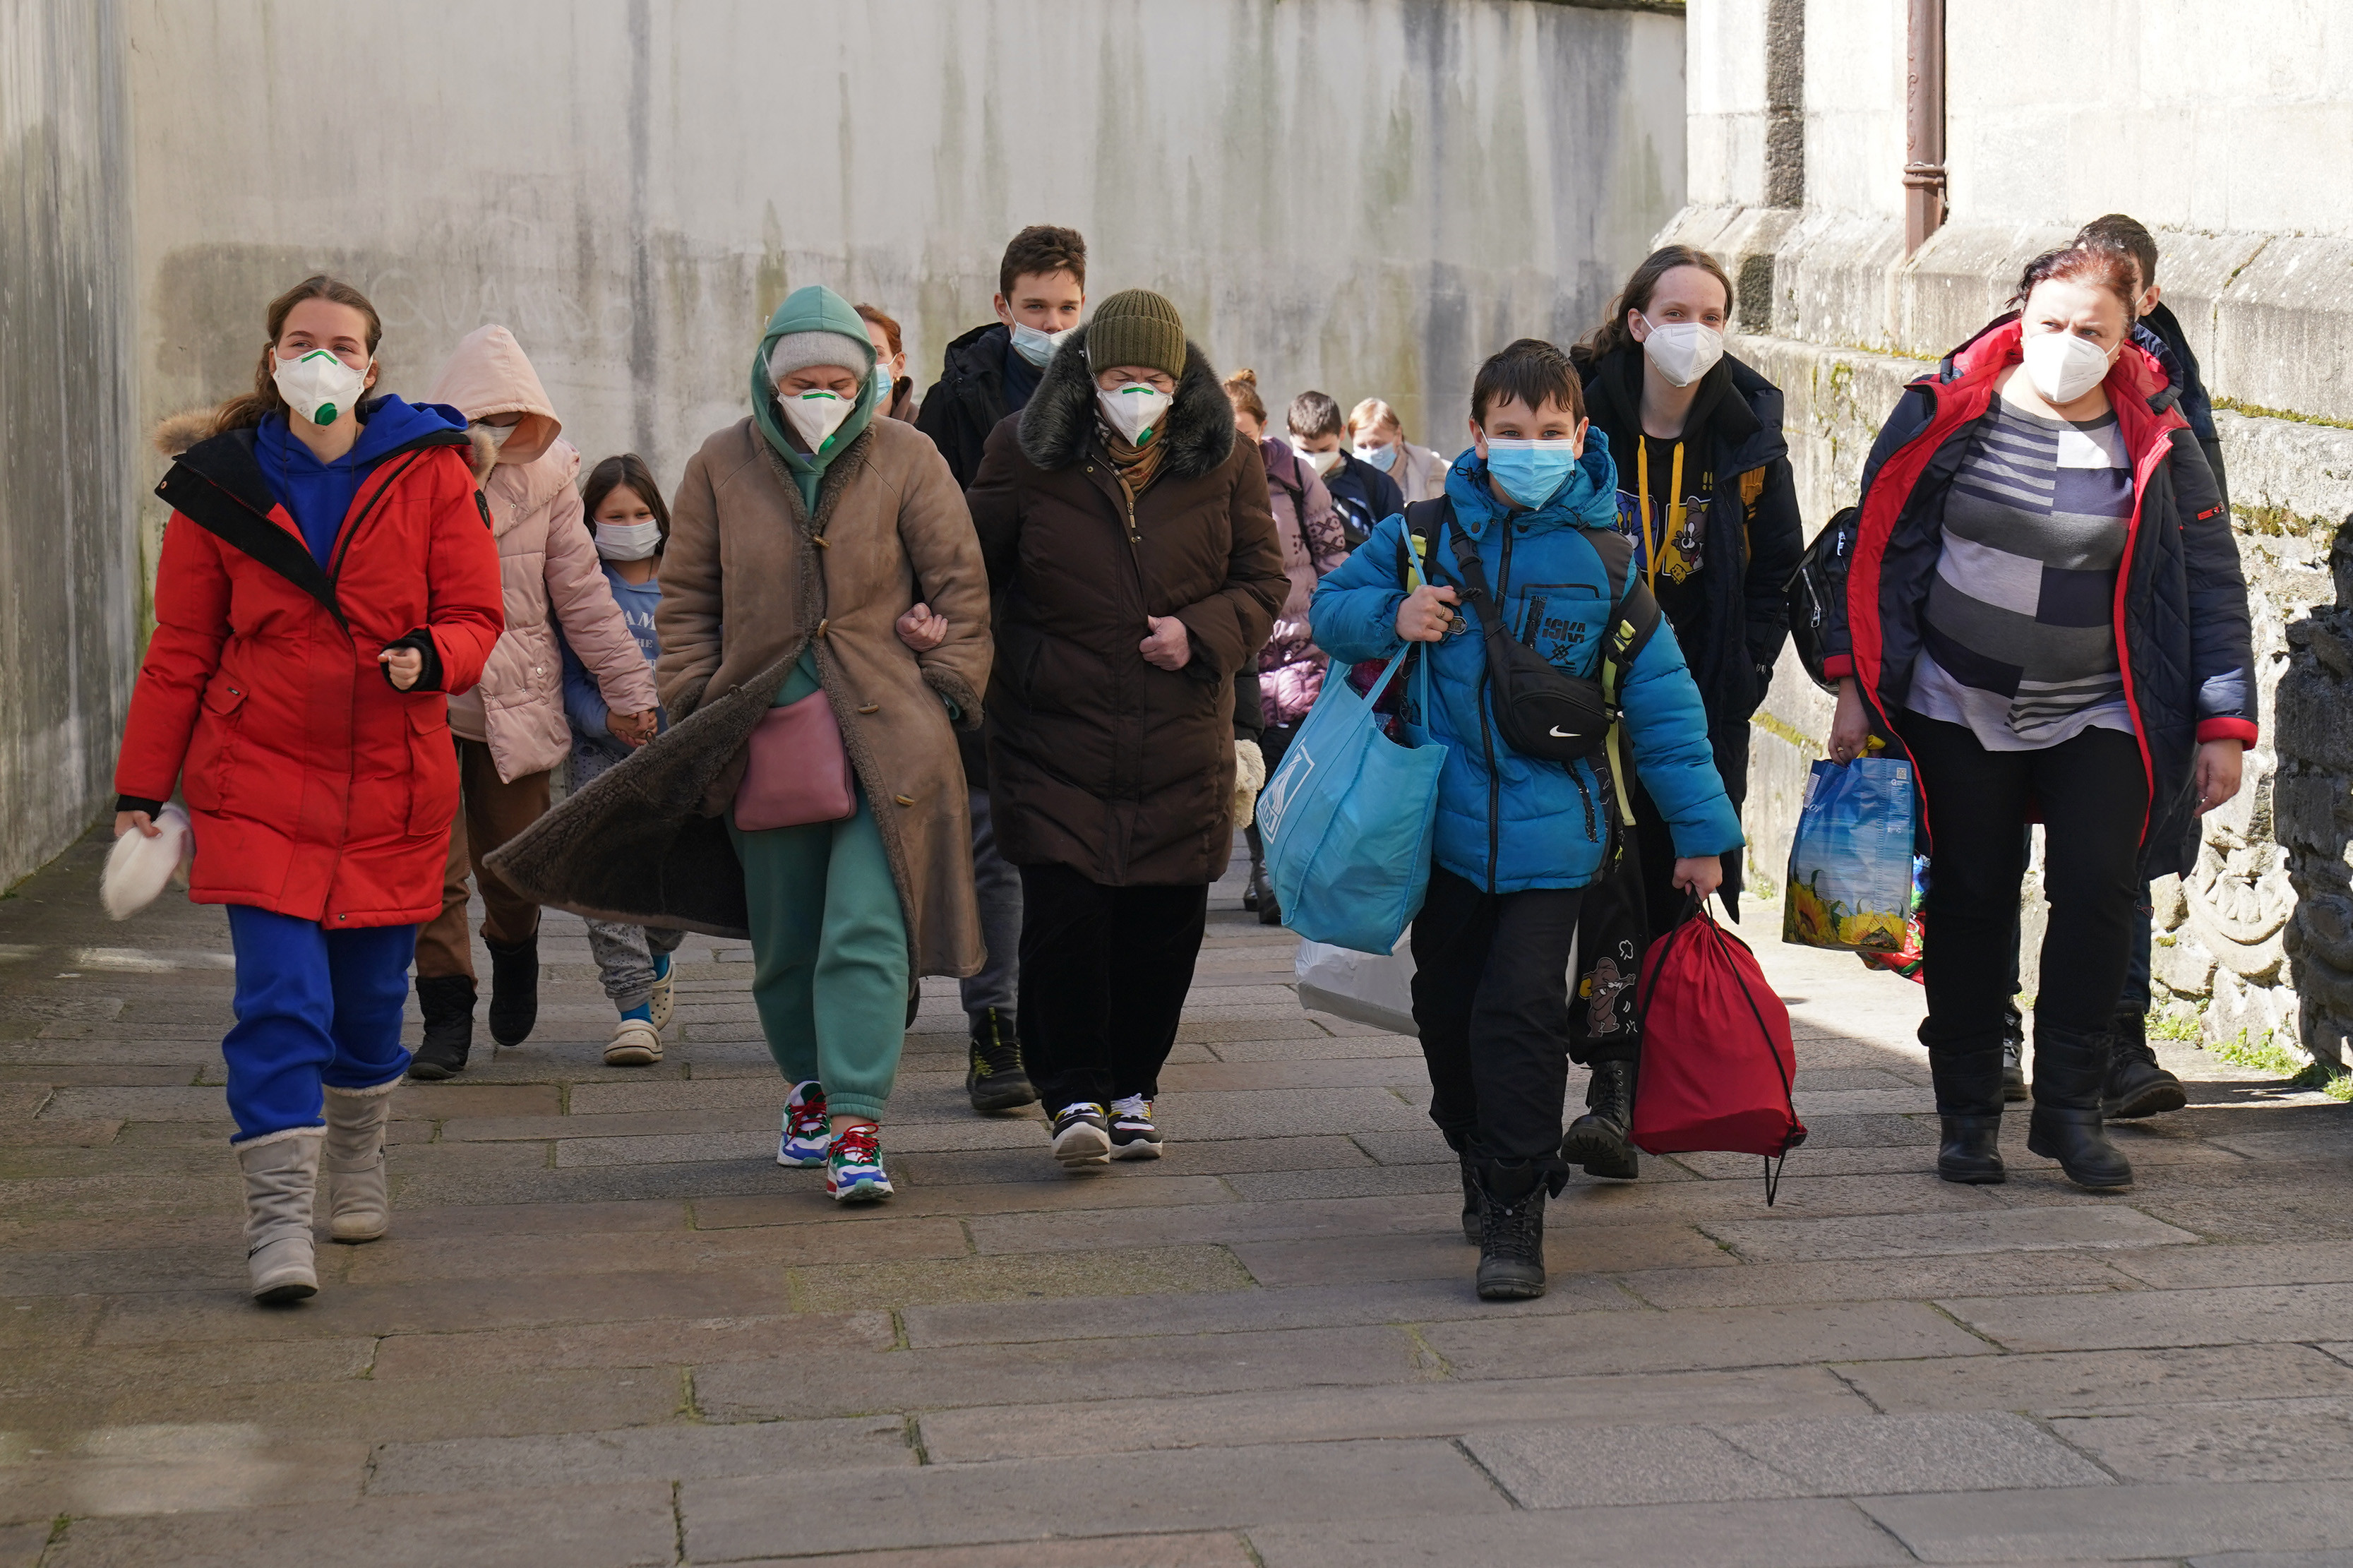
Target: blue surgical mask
[[883, 385], [1034, 346], [1382, 458], [1531, 472]]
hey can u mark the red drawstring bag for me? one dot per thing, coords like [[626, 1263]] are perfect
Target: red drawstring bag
[[1717, 1061]]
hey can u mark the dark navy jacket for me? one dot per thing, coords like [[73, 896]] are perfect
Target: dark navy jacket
[[2180, 617]]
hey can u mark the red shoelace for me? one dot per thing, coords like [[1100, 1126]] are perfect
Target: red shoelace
[[808, 1118], [859, 1144]]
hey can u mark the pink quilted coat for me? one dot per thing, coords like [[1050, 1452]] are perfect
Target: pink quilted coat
[[1290, 667]]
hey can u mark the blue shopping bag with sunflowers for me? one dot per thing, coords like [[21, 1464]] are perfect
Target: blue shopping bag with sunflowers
[[1849, 885]]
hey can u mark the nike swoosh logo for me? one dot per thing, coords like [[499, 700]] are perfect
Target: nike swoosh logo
[[1560, 734]]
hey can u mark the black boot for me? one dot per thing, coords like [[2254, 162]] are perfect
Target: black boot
[[514, 989], [993, 1078], [2136, 1085], [1968, 1151], [1261, 894], [1511, 1243], [1474, 1203], [448, 1003], [2013, 1051], [2070, 1071], [1596, 1139]]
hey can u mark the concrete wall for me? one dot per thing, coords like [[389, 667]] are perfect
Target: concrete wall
[[69, 587], [2230, 146], [1365, 195]]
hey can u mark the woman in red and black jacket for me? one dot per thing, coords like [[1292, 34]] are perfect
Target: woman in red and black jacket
[[2045, 608], [327, 575]]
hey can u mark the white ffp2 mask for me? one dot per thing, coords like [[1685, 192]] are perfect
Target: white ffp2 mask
[[1133, 410], [1683, 350], [2064, 366], [318, 386], [1321, 462], [815, 413]]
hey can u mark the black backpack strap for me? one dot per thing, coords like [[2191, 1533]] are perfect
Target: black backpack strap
[[1424, 520]]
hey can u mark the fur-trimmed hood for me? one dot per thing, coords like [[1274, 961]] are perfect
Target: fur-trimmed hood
[[176, 433], [1059, 423]]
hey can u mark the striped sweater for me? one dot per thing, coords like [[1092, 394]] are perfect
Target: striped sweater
[[2019, 634]]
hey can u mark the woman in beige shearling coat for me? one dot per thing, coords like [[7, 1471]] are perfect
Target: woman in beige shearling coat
[[804, 557]]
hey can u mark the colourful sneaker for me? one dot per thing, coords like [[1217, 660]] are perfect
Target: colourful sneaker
[[853, 1169], [1133, 1135], [1082, 1136], [808, 1130]]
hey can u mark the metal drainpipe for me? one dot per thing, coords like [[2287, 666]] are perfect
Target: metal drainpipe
[[1924, 128]]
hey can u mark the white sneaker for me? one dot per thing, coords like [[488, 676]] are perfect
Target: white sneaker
[[1133, 1134], [634, 1045], [1081, 1137]]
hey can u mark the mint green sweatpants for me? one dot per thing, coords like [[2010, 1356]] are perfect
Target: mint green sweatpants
[[828, 956]]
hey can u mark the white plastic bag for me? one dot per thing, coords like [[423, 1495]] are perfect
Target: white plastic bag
[[1367, 988], [138, 866], [1363, 987]]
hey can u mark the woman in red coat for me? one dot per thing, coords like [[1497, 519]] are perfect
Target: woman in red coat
[[327, 575]]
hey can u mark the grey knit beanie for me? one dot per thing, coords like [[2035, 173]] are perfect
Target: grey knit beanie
[[798, 351]]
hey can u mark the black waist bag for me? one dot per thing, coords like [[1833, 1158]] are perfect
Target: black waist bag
[[1543, 711]]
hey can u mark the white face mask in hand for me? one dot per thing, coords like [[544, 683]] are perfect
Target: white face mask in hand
[[2064, 366], [815, 413], [1683, 350], [627, 541], [318, 386], [1133, 410]]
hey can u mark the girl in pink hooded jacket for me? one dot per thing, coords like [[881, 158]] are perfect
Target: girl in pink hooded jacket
[[511, 729]]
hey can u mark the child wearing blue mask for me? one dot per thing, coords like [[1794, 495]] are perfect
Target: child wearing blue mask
[[625, 514], [1519, 837]]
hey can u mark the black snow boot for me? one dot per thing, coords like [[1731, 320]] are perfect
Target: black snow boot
[[1474, 1203], [448, 1003], [2013, 1051], [1597, 1140], [993, 1078], [1260, 896], [1968, 1150], [2070, 1071], [2136, 1085], [1511, 1241], [514, 989]]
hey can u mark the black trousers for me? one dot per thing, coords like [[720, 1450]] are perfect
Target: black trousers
[[2091, 793], [1491, 999], [1103, 976]]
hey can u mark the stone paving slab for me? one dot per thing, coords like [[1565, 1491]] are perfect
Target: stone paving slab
[[1110, 1494], [2118, 1520], [606, 1327]]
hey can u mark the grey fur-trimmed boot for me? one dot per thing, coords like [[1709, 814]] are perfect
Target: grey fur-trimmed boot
[[353, 1159], [281, 1176]]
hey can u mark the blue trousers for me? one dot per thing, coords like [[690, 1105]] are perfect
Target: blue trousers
[[315, 1009]]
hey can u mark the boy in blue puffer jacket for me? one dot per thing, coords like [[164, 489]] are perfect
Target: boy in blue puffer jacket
[[1518, 838]]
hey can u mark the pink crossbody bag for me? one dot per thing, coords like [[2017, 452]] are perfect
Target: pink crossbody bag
[[798, 771]]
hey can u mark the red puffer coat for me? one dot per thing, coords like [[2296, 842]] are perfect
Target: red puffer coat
[[314, 788]]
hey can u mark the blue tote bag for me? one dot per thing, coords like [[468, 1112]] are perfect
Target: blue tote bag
[[1347, 819]]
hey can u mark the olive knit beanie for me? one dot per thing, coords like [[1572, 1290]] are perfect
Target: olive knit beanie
[[1136, 327]]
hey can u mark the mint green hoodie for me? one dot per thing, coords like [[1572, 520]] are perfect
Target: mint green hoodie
[[814, 308]]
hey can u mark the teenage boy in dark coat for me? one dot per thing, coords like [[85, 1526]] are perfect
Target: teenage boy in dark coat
[[986, 374]]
